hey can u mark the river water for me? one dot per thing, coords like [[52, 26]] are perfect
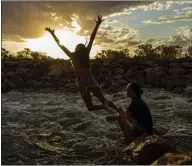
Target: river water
[[54, 127]]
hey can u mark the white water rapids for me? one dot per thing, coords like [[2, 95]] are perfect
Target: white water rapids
[[53, 127]]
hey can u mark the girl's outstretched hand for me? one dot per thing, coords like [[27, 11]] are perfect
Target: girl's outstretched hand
[[49, 30], [99, 20]]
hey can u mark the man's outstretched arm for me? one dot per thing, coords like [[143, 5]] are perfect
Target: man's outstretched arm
[[52, 32], [98, 22]]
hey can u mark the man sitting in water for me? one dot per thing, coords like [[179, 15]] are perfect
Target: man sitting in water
[[136, 120]]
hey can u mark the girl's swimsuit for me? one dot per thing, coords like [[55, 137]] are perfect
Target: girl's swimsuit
[[84, 76]]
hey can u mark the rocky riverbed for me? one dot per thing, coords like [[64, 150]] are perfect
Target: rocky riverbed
[[172, 75], [54, 127]]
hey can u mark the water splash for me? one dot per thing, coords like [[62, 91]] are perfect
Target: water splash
[[56, 128]]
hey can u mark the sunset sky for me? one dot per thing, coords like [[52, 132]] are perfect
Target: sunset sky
[[126, 24]]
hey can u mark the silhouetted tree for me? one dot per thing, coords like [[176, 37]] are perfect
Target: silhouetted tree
[[189, 50], [124, 52], [145, 51], [24, 53], [169, 52], [4, 53]]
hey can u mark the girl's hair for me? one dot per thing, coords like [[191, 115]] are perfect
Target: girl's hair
[[136, 89], [82, 55], [80, 48]]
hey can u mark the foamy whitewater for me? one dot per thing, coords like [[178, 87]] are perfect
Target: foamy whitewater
[[52, 127]]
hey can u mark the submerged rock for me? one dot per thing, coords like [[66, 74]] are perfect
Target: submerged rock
[[178, 90], [173, 159], [147, 149]]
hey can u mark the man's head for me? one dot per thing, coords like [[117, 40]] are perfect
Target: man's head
[[133, 90]]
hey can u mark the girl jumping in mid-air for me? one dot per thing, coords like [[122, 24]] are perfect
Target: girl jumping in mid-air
[[81, 64]]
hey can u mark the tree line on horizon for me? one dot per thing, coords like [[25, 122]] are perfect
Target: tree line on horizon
[[143, 51]]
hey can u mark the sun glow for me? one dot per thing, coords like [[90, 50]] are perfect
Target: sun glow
[[47, 43]]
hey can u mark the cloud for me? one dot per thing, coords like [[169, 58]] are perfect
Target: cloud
[[185, 31], [183, 37], [184, 14], [179, 40], [117, 36], [28, 19], [162, 5]]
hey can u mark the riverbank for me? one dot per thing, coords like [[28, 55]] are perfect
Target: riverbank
[[173, 75]]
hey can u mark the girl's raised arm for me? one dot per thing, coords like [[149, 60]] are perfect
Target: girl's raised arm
[[52, 32]]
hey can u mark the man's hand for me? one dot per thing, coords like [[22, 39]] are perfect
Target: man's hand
[[99, 20], [49, 30], [123, 114]]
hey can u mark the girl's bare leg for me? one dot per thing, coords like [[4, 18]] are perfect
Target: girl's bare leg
[[86, 96], [98, 93]]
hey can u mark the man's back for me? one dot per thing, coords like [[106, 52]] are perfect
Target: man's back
[[140, 111]]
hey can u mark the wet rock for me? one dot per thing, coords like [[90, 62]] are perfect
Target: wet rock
[[115, 87], [10, 74], [106, 64], [31, 84], [178, 90], [160, 61], [147, 86], [121, 82], [147, 149], [55, 66], [105, 71], [175, 65], [71, 86], [186, 65], [160, 130], [177, 71], [23, 72], [117, 77], [106, 83], [132, 74], [30, 64], [11, 84], [139, 80], [18, 80], [173, 159], [149, 70], [45, 78], [189, 78], [119, 71], [48, 84], [134, 68], [160, 69], [55, 72], [154, 79], [39, 84], [3, 76], [171, 82], [5, 87], [143, 67]]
